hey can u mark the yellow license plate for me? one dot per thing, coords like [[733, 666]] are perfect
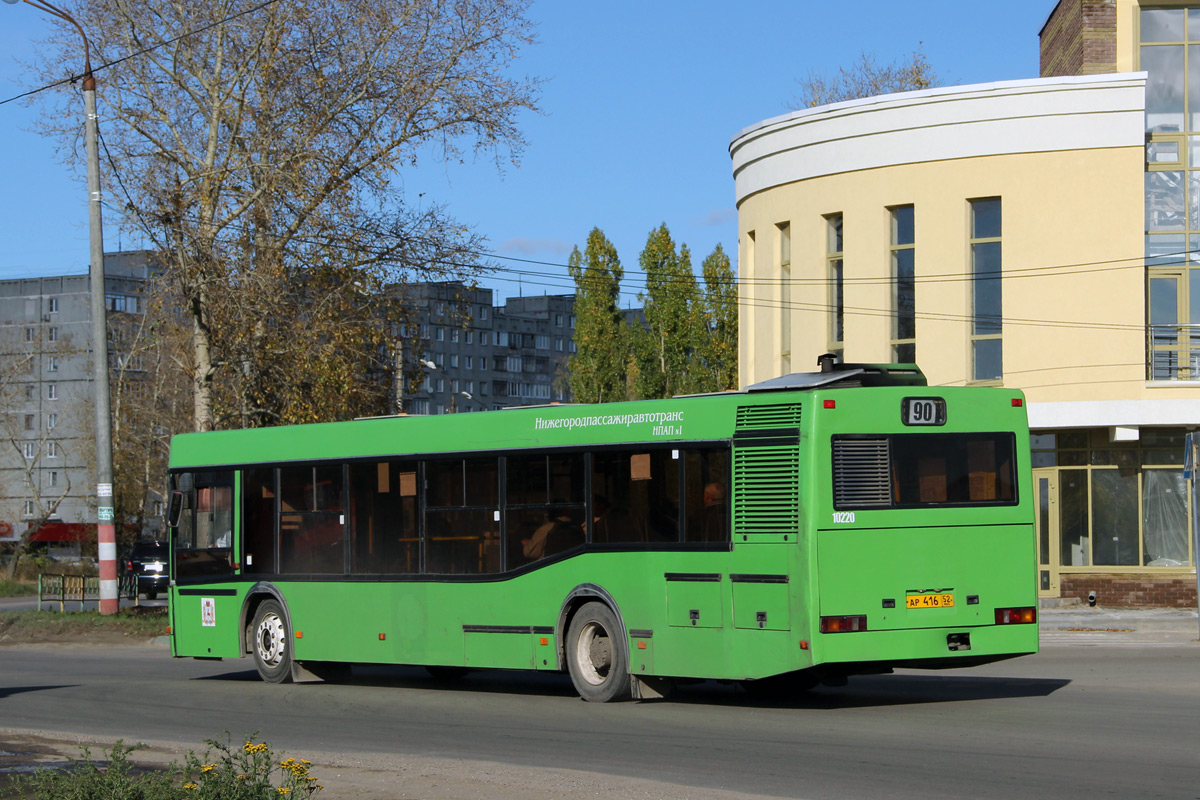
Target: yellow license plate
[[929, 600]]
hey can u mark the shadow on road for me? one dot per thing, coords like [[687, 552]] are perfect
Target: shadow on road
[[8, 691], [861, 692]]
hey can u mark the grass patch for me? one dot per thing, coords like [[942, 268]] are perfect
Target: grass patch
[[16, 588], [133, 624], [227, 771]]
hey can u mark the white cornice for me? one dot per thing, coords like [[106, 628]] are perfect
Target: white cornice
[[1039, 115]]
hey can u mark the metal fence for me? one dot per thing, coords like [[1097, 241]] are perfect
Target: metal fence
[[63, 589]]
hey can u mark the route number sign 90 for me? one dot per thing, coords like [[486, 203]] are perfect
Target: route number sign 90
[[923, 411]]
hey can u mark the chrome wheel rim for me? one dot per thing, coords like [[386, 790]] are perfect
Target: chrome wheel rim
[[270, 641]]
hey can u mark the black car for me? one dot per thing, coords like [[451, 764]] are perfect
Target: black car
[[147, 562]]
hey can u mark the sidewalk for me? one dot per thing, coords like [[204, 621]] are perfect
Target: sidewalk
[[1161, 624]]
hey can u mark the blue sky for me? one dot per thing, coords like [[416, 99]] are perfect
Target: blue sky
[[639, 104]]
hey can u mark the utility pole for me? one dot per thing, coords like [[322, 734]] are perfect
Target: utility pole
[[105, 527]]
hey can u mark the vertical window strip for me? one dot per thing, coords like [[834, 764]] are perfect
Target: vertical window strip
[[1169, 52], [833, 271], [785, 297], [987, 362], [904, 302]]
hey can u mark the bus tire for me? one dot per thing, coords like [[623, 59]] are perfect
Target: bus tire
[[597, 655], [271, 642]]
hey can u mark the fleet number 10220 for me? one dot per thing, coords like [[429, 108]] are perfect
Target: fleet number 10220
[[843, 517]]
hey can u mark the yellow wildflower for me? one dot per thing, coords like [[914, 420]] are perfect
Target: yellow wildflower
[[191, 786]]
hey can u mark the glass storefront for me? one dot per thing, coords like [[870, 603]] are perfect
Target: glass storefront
[[1118, 504]]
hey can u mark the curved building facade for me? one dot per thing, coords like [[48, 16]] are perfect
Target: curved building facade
[[1032, 234]]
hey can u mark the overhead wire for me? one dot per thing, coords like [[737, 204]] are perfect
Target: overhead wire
[[143, 51]]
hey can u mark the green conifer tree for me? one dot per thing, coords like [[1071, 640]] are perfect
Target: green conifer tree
[[598, 367]]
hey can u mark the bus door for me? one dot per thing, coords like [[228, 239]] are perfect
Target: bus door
[[1045, 487]]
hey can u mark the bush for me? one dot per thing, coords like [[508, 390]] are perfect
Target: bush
[[248, 772]]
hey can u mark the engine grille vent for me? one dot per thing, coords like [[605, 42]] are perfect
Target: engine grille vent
[[783, 415], [861, 473]]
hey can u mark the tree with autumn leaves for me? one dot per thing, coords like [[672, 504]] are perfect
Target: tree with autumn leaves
[[261, 151], [683, 342]]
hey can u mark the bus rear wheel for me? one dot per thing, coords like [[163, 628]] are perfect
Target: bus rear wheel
[[597, 655], [271, 643]]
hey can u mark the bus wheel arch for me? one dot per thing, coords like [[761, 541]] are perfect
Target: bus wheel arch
[[274, 662], [594, 645]]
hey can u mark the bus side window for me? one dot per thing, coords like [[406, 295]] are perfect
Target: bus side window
[[311, 528], [641, 492], [258, 514], [706, 501], [545, 506], [462, 534], [383, 518], [204, 536]]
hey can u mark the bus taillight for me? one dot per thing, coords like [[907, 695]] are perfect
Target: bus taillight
[[1016, 616], [847, 624]]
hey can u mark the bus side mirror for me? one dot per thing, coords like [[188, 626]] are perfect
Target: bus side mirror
[[174, 509]]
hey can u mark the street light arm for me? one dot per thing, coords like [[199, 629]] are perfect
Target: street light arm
[[42, 5]]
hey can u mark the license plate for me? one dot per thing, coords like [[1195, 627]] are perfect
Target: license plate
[[929, 600]]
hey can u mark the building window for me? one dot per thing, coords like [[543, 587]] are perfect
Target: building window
[[454, 359], [29, 391], [440, 334], [833, 273], [29, 449], [483, 337], [468, 362], [52, 364], [51, 391], [51, 449], [558, 344], [558, 320], [483, 312], [987, 358], [51, 421], [785, 297], [53, 478], [470, 337], [53, 305], [1170, 55], [29, 419], [542, 342], [904, 292], [29, 334], [454, 335], [27, 511], [52, 334]]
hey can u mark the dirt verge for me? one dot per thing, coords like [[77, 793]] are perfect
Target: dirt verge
[[373, 776]]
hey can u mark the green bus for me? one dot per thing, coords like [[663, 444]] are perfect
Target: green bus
[[803, 530]]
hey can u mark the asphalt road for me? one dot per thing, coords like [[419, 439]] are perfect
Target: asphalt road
[[1074, 721]]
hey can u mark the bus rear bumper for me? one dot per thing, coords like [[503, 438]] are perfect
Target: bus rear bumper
[[927, 648]]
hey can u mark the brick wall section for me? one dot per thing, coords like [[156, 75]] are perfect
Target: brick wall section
[[1080, 38], [1165, 591]]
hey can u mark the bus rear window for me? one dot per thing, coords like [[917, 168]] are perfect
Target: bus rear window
[[920, 470]]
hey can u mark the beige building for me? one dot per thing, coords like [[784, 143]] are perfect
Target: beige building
[[1038, 234]]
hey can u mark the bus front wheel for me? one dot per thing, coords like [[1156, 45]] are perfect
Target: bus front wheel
[[271, 643], [597, 655]]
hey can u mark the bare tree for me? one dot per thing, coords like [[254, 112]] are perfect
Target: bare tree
[[150, 401], [260, 147], [865, 77], [36, 459]]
